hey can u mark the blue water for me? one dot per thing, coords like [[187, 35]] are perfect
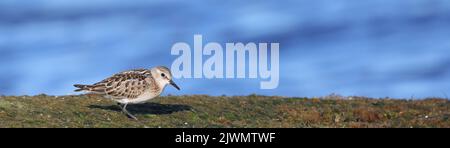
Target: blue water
[[395, 48]]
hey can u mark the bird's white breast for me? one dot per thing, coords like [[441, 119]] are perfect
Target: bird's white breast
[[140, 99]]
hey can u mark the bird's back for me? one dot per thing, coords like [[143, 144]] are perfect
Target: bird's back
[[129, 85]]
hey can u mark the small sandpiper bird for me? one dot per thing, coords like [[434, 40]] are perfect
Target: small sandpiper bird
[[132, 86]]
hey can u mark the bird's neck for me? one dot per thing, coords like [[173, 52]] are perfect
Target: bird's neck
[[161, 84]]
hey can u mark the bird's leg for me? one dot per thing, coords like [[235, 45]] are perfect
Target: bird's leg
[[124, 109], [120, 106]]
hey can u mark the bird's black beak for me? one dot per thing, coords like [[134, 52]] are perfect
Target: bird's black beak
[[174, 85]]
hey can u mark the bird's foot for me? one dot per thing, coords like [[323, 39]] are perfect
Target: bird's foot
[[131, 116], [124, 110]]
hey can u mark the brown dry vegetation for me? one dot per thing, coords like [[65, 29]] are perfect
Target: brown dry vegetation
[[239, 111]]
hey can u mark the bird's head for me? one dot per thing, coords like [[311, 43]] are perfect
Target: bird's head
[[163, 76]]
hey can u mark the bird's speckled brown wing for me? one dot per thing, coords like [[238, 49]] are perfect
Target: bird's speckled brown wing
[[127, 84]]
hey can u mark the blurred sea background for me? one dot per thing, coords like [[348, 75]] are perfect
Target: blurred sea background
[[394, 48]]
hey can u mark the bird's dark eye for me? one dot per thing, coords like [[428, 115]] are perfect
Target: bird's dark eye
[[163, 75]]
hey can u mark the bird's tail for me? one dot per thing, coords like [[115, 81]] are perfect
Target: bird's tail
[[81, 87]]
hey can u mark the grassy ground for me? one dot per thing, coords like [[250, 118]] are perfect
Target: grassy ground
[[206, 111]]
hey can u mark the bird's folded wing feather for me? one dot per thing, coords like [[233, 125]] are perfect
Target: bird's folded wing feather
[[127, 84]]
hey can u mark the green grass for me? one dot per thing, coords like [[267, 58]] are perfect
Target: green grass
[[206, 111]]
